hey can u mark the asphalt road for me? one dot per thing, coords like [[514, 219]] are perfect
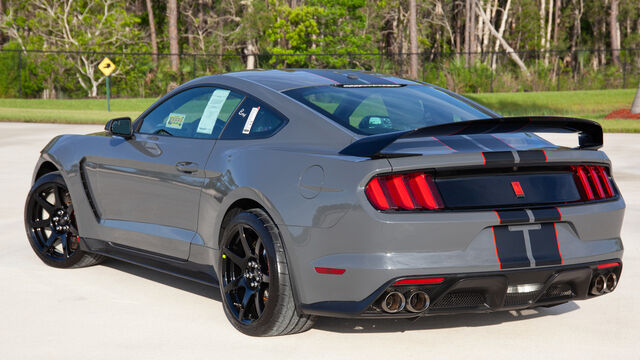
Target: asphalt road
[[121, 311]]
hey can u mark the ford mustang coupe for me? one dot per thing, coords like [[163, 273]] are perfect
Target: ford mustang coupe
[[305, 193]]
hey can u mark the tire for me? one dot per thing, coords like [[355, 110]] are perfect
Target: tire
[[49, 220], [255, 287]]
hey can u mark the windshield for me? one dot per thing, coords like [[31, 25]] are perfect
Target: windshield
[[377, 110]]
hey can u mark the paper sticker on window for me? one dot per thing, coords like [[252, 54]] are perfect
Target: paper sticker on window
[[250, 119], [175, 121], [211, 112]]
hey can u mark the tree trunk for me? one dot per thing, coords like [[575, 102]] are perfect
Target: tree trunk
[[514, 56], [503, 24], [413, 40], [548, 35], [472, 34], [468, 29], [543, 8], [457, 26], [172, 14], [556, 24], [250, 51], [614, 32], [1, 14], [635, 107], [152, 30]]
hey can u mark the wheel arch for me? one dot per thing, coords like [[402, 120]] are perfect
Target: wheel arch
[[45, 167], [251, 200]]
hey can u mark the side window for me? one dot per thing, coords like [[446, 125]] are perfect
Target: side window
[[253, 120], [200, 112]]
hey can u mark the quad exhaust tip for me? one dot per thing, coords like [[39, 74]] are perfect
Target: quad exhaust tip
[[418, 301], [394, 302], [599, 285], [611, 282], [604, 283]]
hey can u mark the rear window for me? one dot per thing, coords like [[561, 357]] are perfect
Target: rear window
[[377, 110]]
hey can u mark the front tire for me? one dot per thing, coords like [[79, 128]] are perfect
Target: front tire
[[49, 219], [256, 290]]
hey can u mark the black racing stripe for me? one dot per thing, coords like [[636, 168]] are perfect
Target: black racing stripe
[[548, 214], [513, 216], [460, 143], [491, 142], [368, 78], [337, 77], [510, 248], [499, 158], [544, 245], [532, 156]]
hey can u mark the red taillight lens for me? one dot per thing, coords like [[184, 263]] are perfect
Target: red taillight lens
[[605, 180], [593, 182], [376, 196], [399, 192], [425, 191], [414, 191]]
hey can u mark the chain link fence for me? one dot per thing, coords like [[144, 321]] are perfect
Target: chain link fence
[[74, 74]]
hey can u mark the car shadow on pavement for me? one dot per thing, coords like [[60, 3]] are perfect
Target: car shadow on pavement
[[438, 321], [357, 325], [166, 279]]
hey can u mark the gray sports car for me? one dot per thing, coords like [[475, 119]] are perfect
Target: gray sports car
[[305, 193]]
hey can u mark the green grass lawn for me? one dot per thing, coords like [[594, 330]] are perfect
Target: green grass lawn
[[593, 104], [590, 104], [80, 111]]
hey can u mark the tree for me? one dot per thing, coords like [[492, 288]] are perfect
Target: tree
[[172, 14], [614, 33], [319, 27], [413, 40], [514, 55], [81, 28], [635, 107], [1, 14], [152, 31]]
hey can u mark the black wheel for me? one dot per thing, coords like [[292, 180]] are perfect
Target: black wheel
[[51, 224], [255, 286]]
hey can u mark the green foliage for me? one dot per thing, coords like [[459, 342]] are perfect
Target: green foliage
[[318, 27]]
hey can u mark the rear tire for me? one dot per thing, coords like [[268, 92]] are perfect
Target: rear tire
[[255, 287], [49, 219]]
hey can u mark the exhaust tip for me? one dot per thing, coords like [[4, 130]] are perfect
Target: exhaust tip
[[418, 301], [393, 302], [599, 285], [611, 282]]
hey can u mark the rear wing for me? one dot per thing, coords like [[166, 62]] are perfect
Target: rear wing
[[589, 132]]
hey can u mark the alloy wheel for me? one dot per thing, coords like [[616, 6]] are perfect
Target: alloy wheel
[[51, 222], [245, 266]]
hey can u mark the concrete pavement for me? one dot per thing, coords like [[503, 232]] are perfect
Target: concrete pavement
[[121, 311]]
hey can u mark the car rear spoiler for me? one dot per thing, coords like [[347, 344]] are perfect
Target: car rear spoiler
[[590, 132]]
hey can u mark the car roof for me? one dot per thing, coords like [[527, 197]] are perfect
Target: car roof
[[282, 80]]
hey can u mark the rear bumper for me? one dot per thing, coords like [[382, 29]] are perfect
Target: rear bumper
[[481, 292]]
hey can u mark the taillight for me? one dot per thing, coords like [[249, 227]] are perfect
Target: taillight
[[593, 182], [415, 191]]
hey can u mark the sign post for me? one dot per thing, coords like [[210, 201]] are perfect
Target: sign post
[[107, 67]]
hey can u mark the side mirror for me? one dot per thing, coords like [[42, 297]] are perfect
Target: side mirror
[[120, 127]]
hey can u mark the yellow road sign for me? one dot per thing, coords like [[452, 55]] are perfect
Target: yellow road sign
[[106, 66]]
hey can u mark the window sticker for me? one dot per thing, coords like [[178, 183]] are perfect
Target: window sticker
[[211, 112], [175, 121], [250, 119]]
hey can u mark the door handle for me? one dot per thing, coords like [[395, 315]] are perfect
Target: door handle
[[187, 167]]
